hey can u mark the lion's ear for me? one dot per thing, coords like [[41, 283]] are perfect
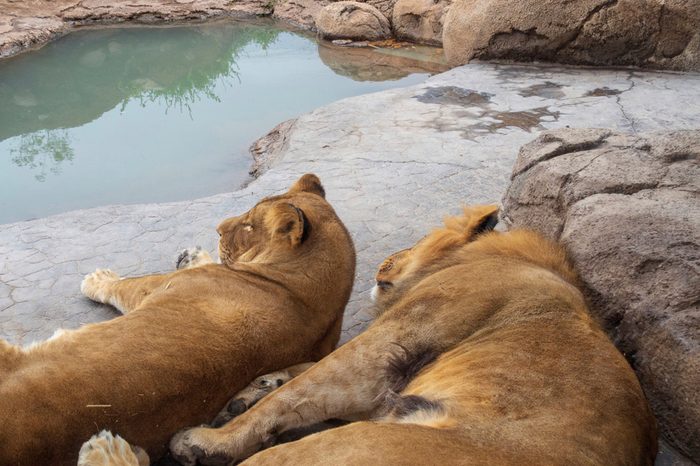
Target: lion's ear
[[474, 221], [482, 219], [287, 223], [308, 183]]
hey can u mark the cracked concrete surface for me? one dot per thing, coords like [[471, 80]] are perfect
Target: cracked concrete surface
[[393, 163]]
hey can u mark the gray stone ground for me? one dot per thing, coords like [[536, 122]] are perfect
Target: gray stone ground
[[393, 163]]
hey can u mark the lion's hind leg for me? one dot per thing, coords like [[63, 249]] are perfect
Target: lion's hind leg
[[105, 449]]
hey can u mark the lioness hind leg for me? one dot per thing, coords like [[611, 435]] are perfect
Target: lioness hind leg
[[258, 388], [193, 257], [125, 294], [105, 449]]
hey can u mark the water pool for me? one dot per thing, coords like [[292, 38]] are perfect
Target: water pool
[[128, 115]]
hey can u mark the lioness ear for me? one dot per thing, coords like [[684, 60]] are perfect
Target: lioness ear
[[308, 183], [482, 218], [288, 223]]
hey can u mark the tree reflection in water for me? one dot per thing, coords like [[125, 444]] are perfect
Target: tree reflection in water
[[43, 151], [74, 81]]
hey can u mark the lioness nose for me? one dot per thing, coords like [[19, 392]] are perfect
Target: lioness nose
[[221, 227]]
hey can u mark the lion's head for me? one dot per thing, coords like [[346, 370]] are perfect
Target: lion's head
[[276, 226], [410, 265]]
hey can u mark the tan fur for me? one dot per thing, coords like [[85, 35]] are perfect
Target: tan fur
[[524, 376], [188, 340]]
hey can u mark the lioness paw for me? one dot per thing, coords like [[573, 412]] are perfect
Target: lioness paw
[[183, 448], [186, 448], [192, 257], [105, 448], [96, 284]]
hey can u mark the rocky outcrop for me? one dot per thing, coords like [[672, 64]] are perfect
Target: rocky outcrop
[[647, 33], [420, 21], [628, 210], [650, 33], [385, 6], [270, 148], [300, 13], [24, 25], [303, 13], [352, 20]]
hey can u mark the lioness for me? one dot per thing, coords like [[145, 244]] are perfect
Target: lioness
[[523, 374], [188, 340]]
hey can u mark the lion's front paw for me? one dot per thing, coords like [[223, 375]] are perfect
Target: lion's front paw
[[192, 257], [187, 447], [96, 284], [181, 448]]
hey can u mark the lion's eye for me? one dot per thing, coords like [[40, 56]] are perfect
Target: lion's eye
[[248, 227], [384, 285]]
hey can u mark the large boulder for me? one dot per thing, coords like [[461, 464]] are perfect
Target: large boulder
[[627, 208], [653, 33], [301, 13], [420, 20], [385, 6], [352, 20]]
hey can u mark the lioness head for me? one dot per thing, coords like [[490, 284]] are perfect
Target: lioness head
[[276, 226], [413, 263]]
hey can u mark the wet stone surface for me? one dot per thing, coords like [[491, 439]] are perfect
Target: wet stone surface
[[393, 164]]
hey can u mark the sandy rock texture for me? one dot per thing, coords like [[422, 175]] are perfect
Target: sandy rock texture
[[352, 20], [420, 21], [385, 6], [628, 209], [647, 33], [300, 13]]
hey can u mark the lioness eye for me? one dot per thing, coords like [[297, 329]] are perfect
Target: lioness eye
[[248, 227], [384, 285]]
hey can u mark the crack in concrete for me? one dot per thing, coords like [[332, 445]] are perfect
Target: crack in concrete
[[618, 101]]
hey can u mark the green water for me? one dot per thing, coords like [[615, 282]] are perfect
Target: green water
[[132, 115]]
